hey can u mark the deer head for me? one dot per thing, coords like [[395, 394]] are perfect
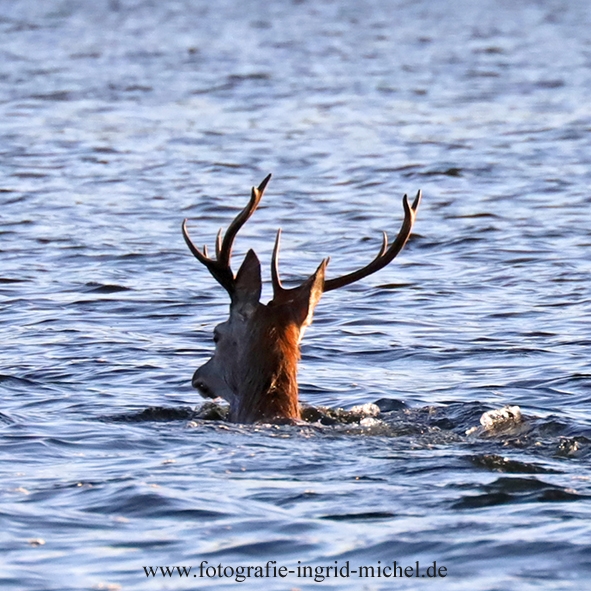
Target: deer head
[[257, 349]]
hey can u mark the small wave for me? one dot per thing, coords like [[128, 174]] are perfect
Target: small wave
[[155, 414], [360, 516], [497, 463], [15, 381], [506, 490], [5, 419], [105, 288], [130, 501], [7, 280]]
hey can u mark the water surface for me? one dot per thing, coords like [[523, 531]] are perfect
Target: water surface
[[118, 119]]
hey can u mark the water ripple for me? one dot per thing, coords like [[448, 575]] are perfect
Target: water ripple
[[119, 119]]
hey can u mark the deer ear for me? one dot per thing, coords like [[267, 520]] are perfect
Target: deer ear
[[307, 296], [248, 283]]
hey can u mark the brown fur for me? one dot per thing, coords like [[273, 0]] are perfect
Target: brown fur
[[269, 389]]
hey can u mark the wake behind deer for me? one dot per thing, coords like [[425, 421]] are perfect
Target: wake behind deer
[[254, 366]]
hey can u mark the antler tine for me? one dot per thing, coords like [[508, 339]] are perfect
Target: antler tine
[[239, 221], [277, 285], [218, 244], [384, 246], [386, 254], [280, 292], [202, 258], [222, 274], [220, 266]]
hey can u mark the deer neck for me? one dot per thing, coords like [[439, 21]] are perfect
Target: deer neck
[[269, 388]]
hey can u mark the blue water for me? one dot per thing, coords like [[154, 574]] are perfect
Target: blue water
[[120, 118]]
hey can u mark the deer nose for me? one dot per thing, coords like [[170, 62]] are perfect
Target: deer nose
[[201, 383]]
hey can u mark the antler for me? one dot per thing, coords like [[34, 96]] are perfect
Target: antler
[[385, 256], [222, 272], [220, 266]]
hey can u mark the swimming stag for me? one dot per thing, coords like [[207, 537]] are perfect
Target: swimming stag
[[254, 366]]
